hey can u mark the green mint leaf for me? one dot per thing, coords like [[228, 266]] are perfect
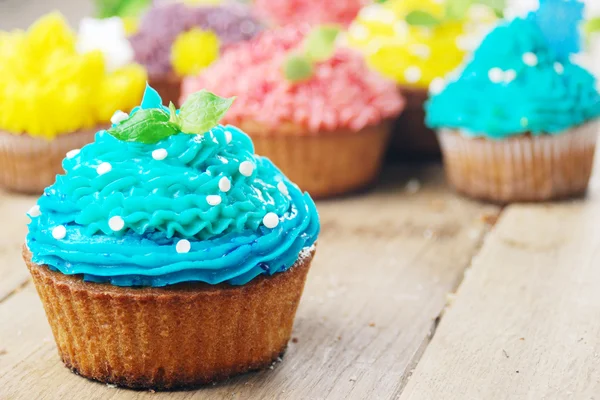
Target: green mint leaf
[[319, 44], [148, 126], [497, 6], [297, 68], [592, 25], [173, 117], [202, 111], [422, 18], [457, 9]]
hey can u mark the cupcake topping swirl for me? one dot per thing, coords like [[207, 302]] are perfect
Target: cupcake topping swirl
[[525, 83], [143, 207]]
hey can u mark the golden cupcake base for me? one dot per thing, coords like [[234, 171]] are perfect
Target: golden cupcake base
[[522, 168], [29, 164], [173, 337], [325, 164]]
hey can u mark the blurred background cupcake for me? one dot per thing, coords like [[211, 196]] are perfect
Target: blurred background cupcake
[[416, 43], [315, 110], [518, 124], [313, 12], [176, 39], [56, 90]]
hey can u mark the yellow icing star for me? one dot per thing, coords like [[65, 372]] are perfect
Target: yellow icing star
[[413, 55], [48, 89], [194, 50]]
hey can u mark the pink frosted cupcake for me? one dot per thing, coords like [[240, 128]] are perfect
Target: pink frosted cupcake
[[323, 118], [283, 12]]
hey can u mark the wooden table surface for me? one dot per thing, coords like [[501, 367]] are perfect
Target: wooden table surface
[[381, 316], [414, 294]]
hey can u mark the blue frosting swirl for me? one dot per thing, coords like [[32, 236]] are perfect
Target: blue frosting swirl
[[516, 83], [159, 202]]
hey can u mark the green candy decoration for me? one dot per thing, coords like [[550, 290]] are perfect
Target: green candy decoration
[[318, 46], [201, 112]]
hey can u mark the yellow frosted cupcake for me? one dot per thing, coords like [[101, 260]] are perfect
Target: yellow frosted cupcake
[[416, 43], [53, 100]]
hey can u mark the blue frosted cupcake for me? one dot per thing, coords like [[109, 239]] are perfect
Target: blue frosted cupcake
[[169, 255], [518, 123]]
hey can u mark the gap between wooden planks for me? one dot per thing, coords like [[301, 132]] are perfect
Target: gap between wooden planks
[[385, 263], [526, 320]]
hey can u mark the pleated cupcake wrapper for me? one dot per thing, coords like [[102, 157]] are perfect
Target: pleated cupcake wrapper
[[175, 337], [523, 168], [327, 164], [29, 164], [410, 136]]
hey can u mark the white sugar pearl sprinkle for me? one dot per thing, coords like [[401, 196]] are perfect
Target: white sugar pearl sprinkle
[[224, 184], [183, 246], [283, 188], [59, 232], [34, 211], [246, 168], [228, 136], [496, 75], [530, 59], [271, 220], [119, 116], [510, 75], [437, 85], [559, 68], [412, 74], [72, 153], [160, 154], [213, 200], [103, 168], [116, 223]]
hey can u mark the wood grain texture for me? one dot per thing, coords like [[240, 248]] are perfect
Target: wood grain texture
[[19, 14], [385, 263], [13, 221], [526, 320]]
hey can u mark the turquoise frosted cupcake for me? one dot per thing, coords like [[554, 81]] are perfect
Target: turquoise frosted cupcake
[[169, 255], [518, 123]]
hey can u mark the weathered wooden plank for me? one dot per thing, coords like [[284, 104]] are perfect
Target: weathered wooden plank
[[385, 262], [19, 14], [14, 228], [526, 321]]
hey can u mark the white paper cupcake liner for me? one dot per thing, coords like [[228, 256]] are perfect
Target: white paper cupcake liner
[[522, 168]]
